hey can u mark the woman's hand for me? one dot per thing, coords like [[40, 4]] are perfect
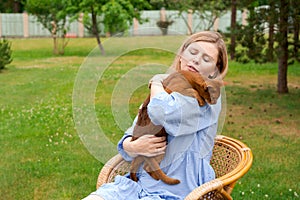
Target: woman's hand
[[146, 145], [156, 85], [157, 79]]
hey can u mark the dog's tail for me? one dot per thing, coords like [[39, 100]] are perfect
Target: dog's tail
[[158, 174]]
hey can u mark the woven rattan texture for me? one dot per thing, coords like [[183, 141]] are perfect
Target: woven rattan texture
[[121, 169], [225, 158], [212, 195]]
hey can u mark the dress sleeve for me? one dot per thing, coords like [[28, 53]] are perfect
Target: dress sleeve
[[128, 133], [181, 115]]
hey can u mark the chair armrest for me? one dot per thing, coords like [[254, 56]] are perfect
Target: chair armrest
[[115, 166], [210, 190]]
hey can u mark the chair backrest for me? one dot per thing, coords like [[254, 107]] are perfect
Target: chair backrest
[[225, 157]]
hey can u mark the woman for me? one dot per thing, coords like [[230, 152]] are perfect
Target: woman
[[191, 129]]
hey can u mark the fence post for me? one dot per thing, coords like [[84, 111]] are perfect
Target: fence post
[[244, 17], [25, 25], [135, 26], [216, 24], [80, 26], [163, 14], [190, 22], [0, 26]]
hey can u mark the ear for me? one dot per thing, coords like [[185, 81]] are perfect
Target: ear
[[214, 93]]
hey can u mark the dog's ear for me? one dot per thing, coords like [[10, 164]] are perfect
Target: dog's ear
[[214, 90], [208, 89], [214, 93]]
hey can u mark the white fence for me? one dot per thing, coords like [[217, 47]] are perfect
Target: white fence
[[24, 25]]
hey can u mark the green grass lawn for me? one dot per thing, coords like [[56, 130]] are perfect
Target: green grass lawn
[[43, 155]]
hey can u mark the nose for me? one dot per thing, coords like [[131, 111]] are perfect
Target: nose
[[196, 60]]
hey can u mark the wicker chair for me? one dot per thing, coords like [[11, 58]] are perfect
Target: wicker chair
[[231, 160]]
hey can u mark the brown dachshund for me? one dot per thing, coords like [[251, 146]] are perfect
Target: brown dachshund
[[184, 82]]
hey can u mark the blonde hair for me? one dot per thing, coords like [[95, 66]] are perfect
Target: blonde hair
[[206, 36]]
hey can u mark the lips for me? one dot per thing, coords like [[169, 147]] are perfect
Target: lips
[[192, 69]]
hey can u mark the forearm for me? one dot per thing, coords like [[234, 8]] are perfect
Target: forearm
[[155, 84], [128, 147], [156, 88]]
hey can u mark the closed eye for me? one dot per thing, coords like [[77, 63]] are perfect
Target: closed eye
[[207, 58], [193, 51]]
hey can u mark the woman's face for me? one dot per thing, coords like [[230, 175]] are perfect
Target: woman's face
[[200, 57]]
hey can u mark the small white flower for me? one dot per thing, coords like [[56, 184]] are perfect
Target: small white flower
[[258, 185], [295, 194], [266, 195]]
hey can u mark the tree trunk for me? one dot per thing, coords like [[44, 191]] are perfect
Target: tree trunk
[[270, 50], [296, 27], [296, 40], [96, 32], [232, 29], [54, 36], [250, 35], [16, 7], [271, 18], [283, 48]]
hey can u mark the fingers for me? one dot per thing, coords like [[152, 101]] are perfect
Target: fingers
[[152, 138], [156, 151], [150, 145], [156, 139]]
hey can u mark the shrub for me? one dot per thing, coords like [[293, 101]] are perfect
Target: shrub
[[5, 53]]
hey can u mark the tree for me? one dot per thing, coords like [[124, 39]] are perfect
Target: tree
[[283, 47], [5, 53], [91, 10], [116, 15], [275, 17], [11, 6], [51, 14], [232, 29], [252, 35], [295, 24], [272, 20]]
